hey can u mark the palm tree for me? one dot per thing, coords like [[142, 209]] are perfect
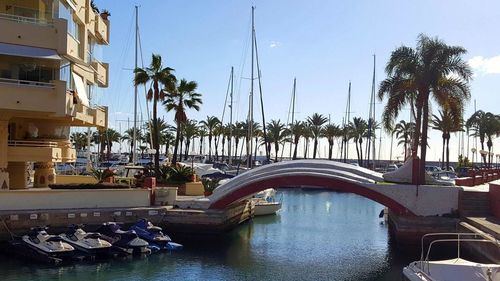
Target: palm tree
[[238, 133], [202, 131], [307, 134], [128, 136], [190, 131], [255, 127], [182, 97], [210, 124], [225, 135], [295, 131], [483, 125], [111, 137], [330, 132], [99, 138], [316, 122], [276, 134], [358, 128], [79, 140], [404, 131], [447, 122], [156, 76], [217, 132], [431, 69]]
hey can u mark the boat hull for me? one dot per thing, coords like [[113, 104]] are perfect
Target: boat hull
[[266, 208]]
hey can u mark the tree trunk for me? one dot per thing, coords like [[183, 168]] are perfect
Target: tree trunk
[[177, 136], [360, 152], [210, 146], [315, 147], [306, 145], [448, 152], [256, 148], [295, 150], [406, 149], [236, 143], [216, 144], [330, 150], [444, 148], [276, 149], [357, 149], [223, 146], [186, 151], [181, 142], [418, 125], [156, 135], [423, 148]]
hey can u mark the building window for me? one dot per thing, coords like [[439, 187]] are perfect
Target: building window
[[65, 74], [66, 13]]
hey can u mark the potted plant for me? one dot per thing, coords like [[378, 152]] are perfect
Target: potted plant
[[209, 185], [105, 14], [103, 175]]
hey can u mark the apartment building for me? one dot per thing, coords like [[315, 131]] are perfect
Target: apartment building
[[50, 66]]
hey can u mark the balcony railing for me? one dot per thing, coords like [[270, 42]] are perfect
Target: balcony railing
[[32, 143], [26, 83], [25, 15]]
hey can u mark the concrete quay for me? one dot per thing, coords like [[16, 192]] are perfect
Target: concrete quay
[[173, 220]]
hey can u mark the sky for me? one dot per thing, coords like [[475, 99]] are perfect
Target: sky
[[324, 44]]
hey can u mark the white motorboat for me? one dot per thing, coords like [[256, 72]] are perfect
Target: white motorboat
[[52, 245], [88, 242], [456, 269], [265, 203]]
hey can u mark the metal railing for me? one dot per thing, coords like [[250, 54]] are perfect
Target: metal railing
[[32, 143], [472, 237], [26, 83], [25, 19]]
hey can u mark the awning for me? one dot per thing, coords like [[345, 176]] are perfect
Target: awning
[[25, 51], [81, 93]]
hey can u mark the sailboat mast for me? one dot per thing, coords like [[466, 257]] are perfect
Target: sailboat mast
[[346, 123], [250, 110], [370, 145], [230, 117], [134, 140], [293, 110], [374, 121]]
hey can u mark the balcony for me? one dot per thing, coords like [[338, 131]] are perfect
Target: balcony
[[33, 96], [34, 32], [102, 30], [49, 100], [95, 116], [40, 150], [101, 73]]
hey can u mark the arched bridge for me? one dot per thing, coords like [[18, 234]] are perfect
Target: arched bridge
[[403, 199]]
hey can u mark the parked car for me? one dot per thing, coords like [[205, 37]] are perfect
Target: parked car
[[432, 169], [391, 168], [445, 176]]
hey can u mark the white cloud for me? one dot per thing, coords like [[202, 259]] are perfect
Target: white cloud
[[274, 44], [482, 66], [122, 113]]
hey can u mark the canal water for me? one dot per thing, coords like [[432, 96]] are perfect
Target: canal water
[[318, 235]]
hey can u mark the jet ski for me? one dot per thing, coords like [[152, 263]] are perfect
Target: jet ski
[[157, 240], [124, 241], [40, 245], [88, 242]]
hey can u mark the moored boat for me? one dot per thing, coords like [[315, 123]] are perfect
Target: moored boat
[[456, 269], [88, 242], [126, 242], [154, 235], [265, 203]]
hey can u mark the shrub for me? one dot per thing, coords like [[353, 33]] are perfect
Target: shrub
[[101, 175]]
